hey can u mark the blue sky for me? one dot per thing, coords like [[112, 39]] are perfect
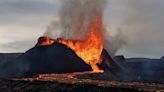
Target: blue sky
[[142, 23]]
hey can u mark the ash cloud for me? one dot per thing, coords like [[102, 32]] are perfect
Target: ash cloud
[[114, 42], [133, 27], [74, 18]]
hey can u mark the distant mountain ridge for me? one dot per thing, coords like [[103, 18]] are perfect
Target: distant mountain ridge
[[4, 57]]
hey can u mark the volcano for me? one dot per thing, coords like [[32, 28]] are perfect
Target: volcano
[[43, 59], [64, 55], [55, 58]]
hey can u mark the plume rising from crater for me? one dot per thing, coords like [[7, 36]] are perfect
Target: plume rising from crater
[[81, 28], [74, 18]]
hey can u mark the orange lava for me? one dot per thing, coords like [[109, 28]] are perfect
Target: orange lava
[[44, 41], [91, 47], [88, 49]]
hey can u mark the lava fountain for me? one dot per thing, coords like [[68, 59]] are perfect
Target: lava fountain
[[90, 48], [82, 30]]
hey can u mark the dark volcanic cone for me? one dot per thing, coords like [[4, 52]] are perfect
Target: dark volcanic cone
[[49, 56], [55, 58]]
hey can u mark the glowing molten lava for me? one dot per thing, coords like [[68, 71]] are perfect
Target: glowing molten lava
[[44, 41], [88, 49], [91, 47]]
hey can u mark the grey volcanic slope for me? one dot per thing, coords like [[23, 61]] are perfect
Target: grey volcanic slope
[[55, 58]]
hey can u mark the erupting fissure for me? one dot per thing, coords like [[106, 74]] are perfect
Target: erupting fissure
[[90, 48]]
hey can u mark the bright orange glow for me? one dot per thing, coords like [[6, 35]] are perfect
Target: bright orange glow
[[91, 47], [88, 49], [44, 41]]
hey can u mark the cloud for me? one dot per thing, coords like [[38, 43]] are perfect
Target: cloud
[[15, 10], [29, 5], [17, 46], [18, 39], [23, 21]]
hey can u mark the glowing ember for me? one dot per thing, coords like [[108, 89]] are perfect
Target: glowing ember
[[44, 41], [91, 47]]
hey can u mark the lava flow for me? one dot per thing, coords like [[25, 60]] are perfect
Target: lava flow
[[90, 48]]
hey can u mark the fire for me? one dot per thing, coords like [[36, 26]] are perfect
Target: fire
[[88, 49], [91, 47]]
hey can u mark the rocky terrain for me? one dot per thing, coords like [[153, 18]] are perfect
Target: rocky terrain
[[50, 69], [69, 83]]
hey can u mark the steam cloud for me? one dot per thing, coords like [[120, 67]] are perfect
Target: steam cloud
[[74, 18], [141, 25]]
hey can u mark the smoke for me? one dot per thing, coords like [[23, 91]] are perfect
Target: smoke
[[141, 23], [74, 17], [114, 42]]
